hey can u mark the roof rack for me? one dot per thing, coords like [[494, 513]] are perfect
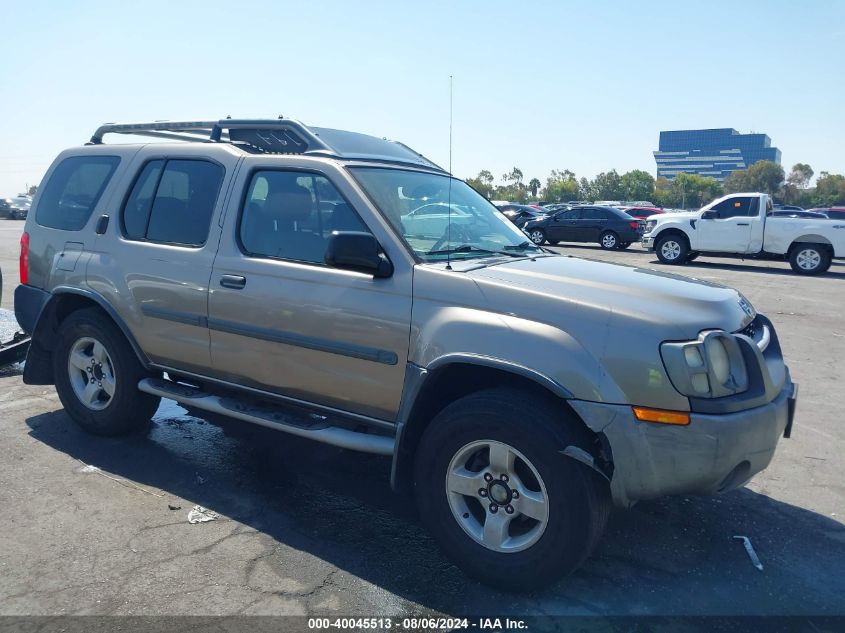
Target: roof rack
[[272, 136]]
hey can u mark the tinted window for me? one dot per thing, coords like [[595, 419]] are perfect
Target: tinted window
[[735, 207], [594, 214], [572, 214], [173, 201], [136, 212], [74, 188], [280, 217]]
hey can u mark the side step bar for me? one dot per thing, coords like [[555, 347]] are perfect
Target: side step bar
[[266, 416]]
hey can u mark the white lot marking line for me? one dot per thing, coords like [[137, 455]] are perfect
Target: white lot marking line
[[88, 468]]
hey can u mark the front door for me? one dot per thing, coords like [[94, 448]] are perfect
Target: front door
[[730, 232], [563, 227], [283, 321]]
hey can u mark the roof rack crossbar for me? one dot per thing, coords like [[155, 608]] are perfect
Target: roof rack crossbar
[[214, 131]]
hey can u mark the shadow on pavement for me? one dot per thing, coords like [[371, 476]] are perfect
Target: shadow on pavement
[[670, 557]]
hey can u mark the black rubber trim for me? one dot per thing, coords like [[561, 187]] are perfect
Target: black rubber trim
[[174, 315], [29, 303], [352, 350]]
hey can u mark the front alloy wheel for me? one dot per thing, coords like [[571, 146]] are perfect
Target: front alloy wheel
[[501, 505], [537, 236], [671, 249]]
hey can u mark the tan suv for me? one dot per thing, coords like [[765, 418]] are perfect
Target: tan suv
[[344, 288]]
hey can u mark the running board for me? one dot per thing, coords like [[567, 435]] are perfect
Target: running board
[[267, 416]]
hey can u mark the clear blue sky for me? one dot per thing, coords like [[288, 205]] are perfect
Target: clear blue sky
[[541, 85]]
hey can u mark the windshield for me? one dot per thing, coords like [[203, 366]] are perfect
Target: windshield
[[437, 223]]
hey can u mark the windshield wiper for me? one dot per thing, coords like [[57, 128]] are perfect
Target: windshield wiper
[[522, 246], [469, 248]]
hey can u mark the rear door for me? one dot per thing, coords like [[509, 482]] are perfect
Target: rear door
[[154, 261], [730, 232], [592, 224]]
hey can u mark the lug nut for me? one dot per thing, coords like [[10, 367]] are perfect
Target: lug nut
[[488, 477], [482, 492], [504, 478], [515, 494], [509, 509], [494, 508]]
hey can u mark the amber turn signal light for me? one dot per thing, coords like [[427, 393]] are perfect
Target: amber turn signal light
[[662, 416]]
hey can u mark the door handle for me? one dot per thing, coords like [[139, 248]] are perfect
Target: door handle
[[742, 223], [236, 282]]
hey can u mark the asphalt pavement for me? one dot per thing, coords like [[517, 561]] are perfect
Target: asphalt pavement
[[100, 526]]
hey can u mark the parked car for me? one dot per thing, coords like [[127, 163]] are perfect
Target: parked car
[[786, 213], [13, 208], [741, 224], [517, 392], [519, 214], [607, 226], [642, 212], [836, 213], [787, 207]]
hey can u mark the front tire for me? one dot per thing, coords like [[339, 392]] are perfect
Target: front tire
[[538, 236], [809, 259], [498, 496], [97, 374], [671, 249]]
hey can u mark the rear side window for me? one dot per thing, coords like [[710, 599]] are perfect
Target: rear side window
[[74, 189], [172, 202]]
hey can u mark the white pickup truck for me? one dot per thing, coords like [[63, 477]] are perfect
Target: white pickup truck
[[742, 224]]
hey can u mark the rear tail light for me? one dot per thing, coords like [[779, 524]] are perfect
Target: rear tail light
[[634, 225], [24, 261]]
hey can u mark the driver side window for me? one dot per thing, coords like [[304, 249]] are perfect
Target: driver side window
[[291, 214], [735, 207]]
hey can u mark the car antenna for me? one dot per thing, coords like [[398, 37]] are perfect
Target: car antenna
[[449, 196]]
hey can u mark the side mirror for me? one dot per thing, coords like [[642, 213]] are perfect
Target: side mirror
[[358, 251], [710, 215]]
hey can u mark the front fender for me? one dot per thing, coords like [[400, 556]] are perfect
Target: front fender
[[538, 351]]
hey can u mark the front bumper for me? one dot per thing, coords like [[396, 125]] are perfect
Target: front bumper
[[647, 242], [712, 455]]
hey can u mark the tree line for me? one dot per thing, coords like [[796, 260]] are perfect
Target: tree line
[[685, 191]]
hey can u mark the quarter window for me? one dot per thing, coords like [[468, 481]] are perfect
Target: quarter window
[[172, 202], [74, 189], [291, 214]]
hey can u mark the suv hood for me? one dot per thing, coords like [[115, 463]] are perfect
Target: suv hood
[[679, 307]]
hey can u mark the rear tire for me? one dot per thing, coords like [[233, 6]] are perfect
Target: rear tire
[[97, 374], [543, 533], [672, 249], [809, 259], [609, 240]]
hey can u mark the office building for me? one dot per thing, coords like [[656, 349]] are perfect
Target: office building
[[715, 152]]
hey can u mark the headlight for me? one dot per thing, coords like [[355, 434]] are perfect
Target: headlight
[[649, 225], [711, 367]]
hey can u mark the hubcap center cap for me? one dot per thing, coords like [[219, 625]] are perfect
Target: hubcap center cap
[[499, 492]]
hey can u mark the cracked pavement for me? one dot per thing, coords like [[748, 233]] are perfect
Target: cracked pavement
[[310, 529]]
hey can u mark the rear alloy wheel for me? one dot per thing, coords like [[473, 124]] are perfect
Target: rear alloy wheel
[[671, 249], [809, 259], [538, 236], [501, 500], [609, 240], [97, 375]]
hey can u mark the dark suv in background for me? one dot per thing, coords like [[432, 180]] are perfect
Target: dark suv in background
[[607, 226]]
